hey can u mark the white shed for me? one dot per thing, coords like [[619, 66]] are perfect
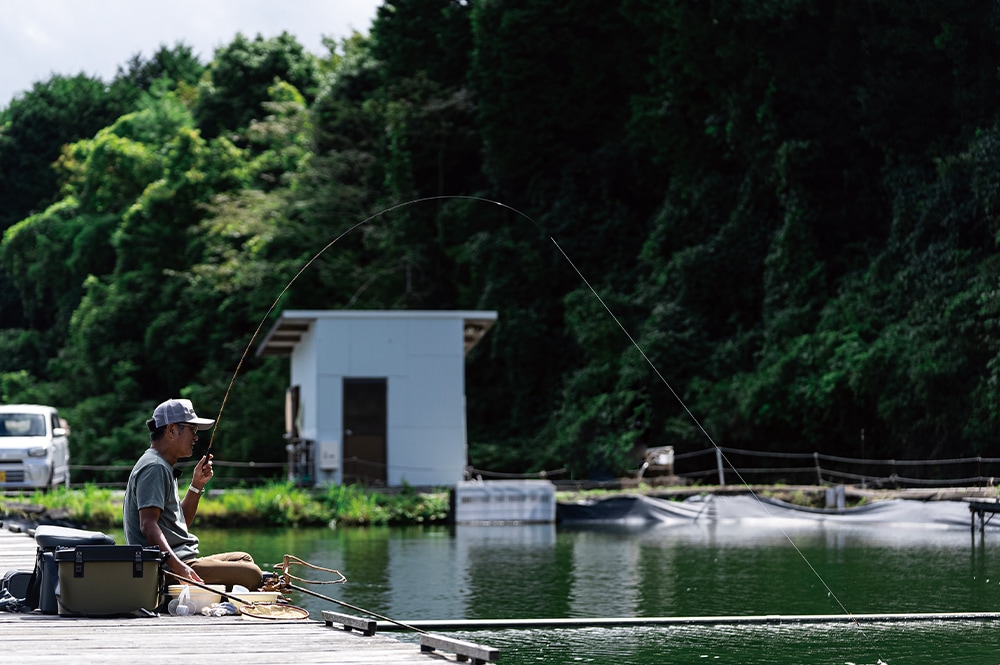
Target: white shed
[[377, 397]]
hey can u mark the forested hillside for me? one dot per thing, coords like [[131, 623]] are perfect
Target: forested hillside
[[791, 207]]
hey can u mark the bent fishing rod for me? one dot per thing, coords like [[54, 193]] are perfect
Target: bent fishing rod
[[295, 587], [593, 291]]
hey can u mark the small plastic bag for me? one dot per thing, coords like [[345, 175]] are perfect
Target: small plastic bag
[[181, 605]]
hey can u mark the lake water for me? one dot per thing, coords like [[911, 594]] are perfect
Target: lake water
[[691, 570]]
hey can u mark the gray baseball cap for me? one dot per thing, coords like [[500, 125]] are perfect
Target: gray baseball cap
[[178, 411]]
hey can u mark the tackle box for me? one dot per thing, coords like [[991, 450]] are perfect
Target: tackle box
[[108, 580], [42, 592]]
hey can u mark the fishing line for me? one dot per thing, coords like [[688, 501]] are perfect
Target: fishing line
[[714, 444], [306, 266], [593, 291]]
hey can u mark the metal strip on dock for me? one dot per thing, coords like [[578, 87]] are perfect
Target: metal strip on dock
[[583, 622]]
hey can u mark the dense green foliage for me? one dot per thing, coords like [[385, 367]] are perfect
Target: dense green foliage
[[791, 207]]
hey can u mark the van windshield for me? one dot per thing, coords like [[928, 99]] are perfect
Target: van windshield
[[22, 424]]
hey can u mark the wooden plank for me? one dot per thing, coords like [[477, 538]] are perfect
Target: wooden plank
[[17, 551], [37, 638], [984, 506], [349, 622], [463, 651]]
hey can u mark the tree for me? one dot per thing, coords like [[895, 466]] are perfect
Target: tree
[[33, 129], [241, 75], [167, 68], [35, 126], [428, 37]]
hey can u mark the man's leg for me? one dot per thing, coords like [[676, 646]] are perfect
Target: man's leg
[[229, 568]]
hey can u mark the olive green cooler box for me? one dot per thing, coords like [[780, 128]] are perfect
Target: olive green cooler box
[[108, 580], [45, 579]]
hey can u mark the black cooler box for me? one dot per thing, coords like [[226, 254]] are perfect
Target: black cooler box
[[107, 580], [42, 591]]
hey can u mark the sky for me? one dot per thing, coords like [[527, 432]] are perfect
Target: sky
[[39, 38]]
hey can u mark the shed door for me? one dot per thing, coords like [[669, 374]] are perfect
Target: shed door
[[364, 431]]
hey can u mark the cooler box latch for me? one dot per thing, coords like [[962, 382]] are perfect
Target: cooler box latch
[[78, 563]]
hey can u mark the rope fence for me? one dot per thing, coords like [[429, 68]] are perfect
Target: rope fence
[[116, 475], [709, 466], [740, 465], [722, 466]]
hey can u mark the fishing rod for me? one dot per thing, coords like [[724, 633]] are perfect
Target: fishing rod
[[286, 584], [357, 609], [316, 256], [256, 609], [593, 291], [225, 595]]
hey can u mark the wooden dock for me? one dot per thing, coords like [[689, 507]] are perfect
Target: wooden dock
[[36, 638], [17, 551], [981, 509]]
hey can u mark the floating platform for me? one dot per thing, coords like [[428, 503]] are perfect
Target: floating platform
[[504, 502]]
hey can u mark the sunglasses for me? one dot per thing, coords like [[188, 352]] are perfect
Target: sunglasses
[[194, 428]]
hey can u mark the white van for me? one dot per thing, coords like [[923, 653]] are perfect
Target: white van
[[34, 447]]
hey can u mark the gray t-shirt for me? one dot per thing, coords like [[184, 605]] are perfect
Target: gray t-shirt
[[152, 484]]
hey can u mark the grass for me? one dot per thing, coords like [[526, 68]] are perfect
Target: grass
[[90, 505], [273, 504]]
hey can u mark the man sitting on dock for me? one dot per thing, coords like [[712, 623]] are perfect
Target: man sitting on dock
[[155, 516]]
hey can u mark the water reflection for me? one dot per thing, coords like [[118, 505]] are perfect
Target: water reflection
[[494, 564], [607, 575]]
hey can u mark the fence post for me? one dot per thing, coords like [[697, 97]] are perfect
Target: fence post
[[819, 470], [718, 461]]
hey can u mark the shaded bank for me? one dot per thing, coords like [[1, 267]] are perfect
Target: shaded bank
[[281, 504]]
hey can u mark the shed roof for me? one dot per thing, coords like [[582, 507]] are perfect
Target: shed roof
[[288, 330]]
